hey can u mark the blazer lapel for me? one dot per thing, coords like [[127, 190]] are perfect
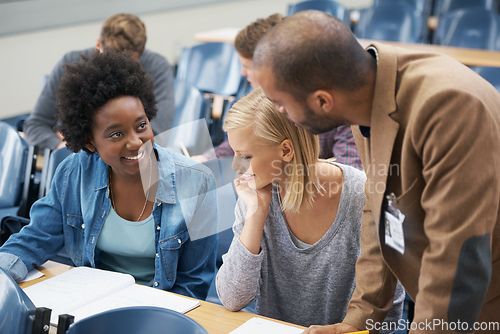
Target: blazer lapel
[[383, 129]]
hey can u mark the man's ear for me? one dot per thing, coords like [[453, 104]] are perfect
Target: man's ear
[[321, 100], [287, 150], [90, 146]]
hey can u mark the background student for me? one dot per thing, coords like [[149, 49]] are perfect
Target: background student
[[337, 143], [120, 203], [428, 132], [298, 220], [120, 32]]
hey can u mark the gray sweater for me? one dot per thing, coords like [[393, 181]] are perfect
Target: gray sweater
[[310, 286], [39, 128]]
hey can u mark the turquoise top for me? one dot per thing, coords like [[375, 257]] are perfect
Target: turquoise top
[[128, 247]]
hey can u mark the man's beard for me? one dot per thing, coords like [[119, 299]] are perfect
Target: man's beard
[[319, 124]]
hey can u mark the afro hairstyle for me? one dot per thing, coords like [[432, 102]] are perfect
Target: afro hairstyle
[[88, 85]]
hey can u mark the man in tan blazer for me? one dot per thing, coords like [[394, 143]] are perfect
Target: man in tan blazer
[[428, 133]]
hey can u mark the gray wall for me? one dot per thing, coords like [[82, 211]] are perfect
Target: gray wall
[[28, 15]]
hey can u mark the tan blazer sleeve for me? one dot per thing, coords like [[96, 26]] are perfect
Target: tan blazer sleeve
[[458, 140]]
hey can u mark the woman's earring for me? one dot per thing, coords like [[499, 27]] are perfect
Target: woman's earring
[[90, 147]]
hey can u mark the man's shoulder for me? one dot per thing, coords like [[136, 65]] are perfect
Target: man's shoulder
[[76, 55], [149, 57]]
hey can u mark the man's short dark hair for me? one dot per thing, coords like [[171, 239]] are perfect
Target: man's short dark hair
[[312, 50]]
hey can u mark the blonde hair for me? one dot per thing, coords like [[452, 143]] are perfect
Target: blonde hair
[[124, 32], [272, 127]]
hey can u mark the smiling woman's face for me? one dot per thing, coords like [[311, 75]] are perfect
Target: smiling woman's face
[[256, 162], [120, 129]]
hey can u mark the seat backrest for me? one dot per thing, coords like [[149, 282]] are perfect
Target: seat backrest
[[490, 74], [190, 126], [398, 22], [211, 67], [444, 6], [476, 28], [330, 7], [137, 320], [190, 104], [13, 159], [422, 6], [16, 309], [226, 201]]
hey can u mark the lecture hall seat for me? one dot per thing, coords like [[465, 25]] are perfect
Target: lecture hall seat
[[18, 313], [444, 6], [137, 320], [52, 159], [422, 6], [397, 21], [476, 28], [13, 164], [330, 7], [491, 74], [191, 119], [211, 67]]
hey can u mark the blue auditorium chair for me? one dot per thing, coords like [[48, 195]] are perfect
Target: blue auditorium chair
[[211, 67], [444, 6], [191, 119], [330, 7], [423, 6], [491, 74], [52, 159], [226, 202], [476, 28], [13, 164], [18, 314], [215, 69], [397, 21], [137, 320]]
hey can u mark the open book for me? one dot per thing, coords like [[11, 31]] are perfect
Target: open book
[[84, 291]]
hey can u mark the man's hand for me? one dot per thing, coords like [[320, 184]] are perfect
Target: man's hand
[[330, 329]]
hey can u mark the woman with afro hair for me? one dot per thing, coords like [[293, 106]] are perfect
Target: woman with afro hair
[[120, 202]]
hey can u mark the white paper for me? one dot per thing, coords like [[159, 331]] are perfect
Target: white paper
[[137, 295], [84, 291], [264, 326], [32, 274]]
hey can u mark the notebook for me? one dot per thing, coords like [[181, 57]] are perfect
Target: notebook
[[84, 291]]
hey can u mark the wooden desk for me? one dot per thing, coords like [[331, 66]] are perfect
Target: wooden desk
[[216, 319], [469, 57]]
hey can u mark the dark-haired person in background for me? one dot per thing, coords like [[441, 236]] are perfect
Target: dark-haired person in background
[[428, 132], [120, 203], [120, 32]]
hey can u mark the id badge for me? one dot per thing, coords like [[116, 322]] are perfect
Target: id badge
[[394, 235]]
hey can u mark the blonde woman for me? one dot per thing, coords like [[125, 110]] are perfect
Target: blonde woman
[[298, 220]]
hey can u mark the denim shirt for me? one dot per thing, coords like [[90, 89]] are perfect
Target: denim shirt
[[73, 213]]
